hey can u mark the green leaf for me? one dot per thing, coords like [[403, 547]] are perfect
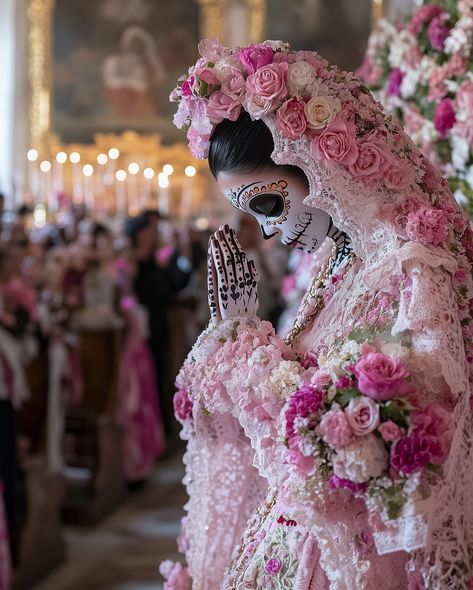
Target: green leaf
[[222, 340], [205, 412], [343, 396], [392, 411]]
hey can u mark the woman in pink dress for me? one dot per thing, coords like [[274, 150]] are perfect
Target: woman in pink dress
[[340, 457]]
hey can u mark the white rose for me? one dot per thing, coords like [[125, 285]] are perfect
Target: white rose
[[277, 45], [321, 110], [300, 77], [409, 83], [285, 378], [360, 460]]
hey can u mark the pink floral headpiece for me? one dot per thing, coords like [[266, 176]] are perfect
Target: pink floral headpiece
[[308, 97]]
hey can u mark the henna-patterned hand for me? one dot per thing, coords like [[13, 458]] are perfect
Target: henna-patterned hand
[[233, 279]]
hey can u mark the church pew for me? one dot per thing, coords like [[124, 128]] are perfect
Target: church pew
[[94, 461], [41, 548]]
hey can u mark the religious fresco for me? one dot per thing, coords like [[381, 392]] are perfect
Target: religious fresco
[[338, 29], [115, 63]]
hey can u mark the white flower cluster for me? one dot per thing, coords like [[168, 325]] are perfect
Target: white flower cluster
[[460, 38], [404, 43], [335, 359], [362, 459], [285, 378]]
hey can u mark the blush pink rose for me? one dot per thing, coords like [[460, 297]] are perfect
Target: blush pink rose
[[290, 119], [390, 431], [379, 376], [363, 415], [374, 158], [398, 175], [335, 428], [266, 89], [336, 143], [233, 83], [222, 106], [269, 82], [255, 57]]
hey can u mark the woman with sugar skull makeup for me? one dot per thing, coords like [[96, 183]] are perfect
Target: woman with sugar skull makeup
[[341, 457]]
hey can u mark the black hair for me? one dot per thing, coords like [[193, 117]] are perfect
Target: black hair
[[244, 146]]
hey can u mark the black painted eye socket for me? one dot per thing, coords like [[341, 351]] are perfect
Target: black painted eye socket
[[268, 205]]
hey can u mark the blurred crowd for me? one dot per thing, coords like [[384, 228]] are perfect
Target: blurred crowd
[[65, 283]]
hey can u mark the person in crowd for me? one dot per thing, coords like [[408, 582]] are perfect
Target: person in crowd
[[159, 274]]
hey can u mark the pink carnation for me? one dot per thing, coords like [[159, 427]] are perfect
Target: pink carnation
[[414, 452], [198, 144], [427, 226], [223, 106], [379, 376], [339, 483], [464, 96], [390, 431], [336, 143], [437, 33], [255, 57], [304, 403], [335, 428], [437, 422], [182, 406], [444, 117], [374, 158], [290, 119], [394, 83]]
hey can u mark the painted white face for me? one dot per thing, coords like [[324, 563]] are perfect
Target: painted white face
[[277, 203]]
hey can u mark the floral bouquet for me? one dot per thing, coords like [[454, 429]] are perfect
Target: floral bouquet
[[356, 423], [422, 71]]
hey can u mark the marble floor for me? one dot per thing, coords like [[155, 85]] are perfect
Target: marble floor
[[124, 551]]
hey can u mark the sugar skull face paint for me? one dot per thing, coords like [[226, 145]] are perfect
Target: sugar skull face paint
[[277, 204]]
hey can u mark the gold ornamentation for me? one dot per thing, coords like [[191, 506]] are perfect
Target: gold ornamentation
[[213, 19], [314, 297], [257, 20]]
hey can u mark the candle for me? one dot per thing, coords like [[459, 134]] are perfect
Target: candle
[[120, 192], [133, 169], [77, 192], [45, 192], [33, 172], [186, 204], [148, 175], [89, 196], [163, 194]]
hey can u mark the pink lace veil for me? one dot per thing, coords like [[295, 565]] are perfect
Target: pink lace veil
[[374, 217], [401, 219]]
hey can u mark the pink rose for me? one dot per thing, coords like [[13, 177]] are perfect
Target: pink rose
[[335, 428], [269, 82], [255, 57], [290, 119], [266, 89], [336, 143], [374, 158], [398, 176], [233, 83], [379, 376], [390, 431], [182, 406], [223, 106], [427, 226], [445, 117], [363, 415]]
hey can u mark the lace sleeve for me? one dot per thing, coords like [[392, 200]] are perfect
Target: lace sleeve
[[227, 361]]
